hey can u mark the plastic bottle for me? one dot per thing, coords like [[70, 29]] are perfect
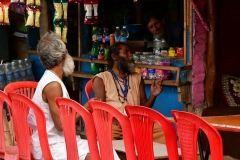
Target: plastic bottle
[[124, 35], [28, 65], [94, 33], [160, 46], [22, 70], [117, 34], [94, 56], [16, 71], [8, 72], [106, 36], [106, 49], [100, 35], [2, 77], [101, 52]]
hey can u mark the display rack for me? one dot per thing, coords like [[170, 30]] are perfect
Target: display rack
[[177, 70]]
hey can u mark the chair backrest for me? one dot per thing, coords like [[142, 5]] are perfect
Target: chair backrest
[[26, 88], [88, 88], [68, 109], [188, 127], [103, 114], [19, 112], [142, 120], [3, 98]]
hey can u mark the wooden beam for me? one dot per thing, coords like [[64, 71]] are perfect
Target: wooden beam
[[211, 53]]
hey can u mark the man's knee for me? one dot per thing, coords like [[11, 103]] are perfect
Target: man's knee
[[88, 157]]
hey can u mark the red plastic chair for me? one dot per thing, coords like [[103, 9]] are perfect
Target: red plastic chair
[[142, 121], [68, 109], [88, 88], [19, 112], [103, 114], [188, 126], [6, 152], [26, 88]]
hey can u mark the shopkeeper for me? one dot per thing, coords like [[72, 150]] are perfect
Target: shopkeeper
[[172, 31]]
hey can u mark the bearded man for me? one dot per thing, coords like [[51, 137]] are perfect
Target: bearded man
[[121, 86], [58, 63]]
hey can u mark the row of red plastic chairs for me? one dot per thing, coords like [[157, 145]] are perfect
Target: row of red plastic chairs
[[137, 128]]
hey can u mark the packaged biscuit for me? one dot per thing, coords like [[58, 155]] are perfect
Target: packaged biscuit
[[64, 33], [65, 10], [30, 17], [37, 18], [58, 11]]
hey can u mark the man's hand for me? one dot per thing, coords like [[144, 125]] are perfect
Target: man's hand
[[156, 88]]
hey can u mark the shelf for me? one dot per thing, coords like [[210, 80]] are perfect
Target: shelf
[[165, 82], [176, 82]]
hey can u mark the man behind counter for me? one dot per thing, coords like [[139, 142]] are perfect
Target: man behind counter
[[172, 31]]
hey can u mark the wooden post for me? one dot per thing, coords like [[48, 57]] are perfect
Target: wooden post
[[44, 25], [211, 53], [185, 29]]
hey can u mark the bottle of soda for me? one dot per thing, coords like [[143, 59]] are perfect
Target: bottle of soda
[[8, 72], [2, 77], [16, 72], [94, 33], [22, 70], [106, 36], [124, 35], [94, 55], [117, 34], [100, 35], [28, 65], [105, 67], [106, 49], [101, 52]]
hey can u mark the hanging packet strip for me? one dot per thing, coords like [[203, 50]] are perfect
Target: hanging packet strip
[[74, 1], [58, 28], [88, 14], [18, 1], [33, 16], [58, 11], [95, 13], [4, 16], [65, 11], [64, 32]]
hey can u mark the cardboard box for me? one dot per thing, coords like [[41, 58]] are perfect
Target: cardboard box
[[138, 45]]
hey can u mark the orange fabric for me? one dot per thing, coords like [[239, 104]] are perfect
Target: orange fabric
[[133, 96]]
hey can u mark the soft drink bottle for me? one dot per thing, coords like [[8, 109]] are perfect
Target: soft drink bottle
[[117, 34], [28, 69], [106, 49], [2, 77], [8, 72], [101, 52], [106, 36], [22, 70], [94, 33], [100, 35], [124, 35], [94, 55]]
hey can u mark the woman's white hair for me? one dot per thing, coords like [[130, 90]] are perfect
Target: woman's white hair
[[51, 50]]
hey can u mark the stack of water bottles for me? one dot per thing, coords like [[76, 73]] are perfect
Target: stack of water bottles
[[17, 70], [121, 35]]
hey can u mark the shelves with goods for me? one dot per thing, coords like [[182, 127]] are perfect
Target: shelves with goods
[[177, 70]]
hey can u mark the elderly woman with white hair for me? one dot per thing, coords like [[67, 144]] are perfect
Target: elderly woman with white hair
[[58, 63]]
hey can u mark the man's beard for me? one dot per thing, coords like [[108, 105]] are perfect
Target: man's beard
[[125, 65], [68, 66]]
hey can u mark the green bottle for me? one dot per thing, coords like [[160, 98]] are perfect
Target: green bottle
[[106, 49], [94, 33], [94, 56]]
